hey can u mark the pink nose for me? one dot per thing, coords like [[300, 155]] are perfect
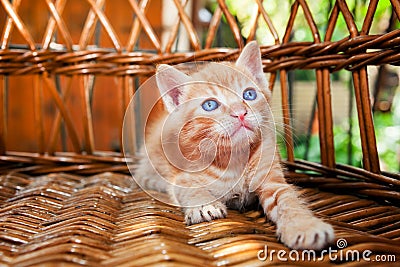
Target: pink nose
[[241, 116], [239, 112]]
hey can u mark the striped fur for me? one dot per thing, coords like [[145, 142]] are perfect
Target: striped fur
[[206, 160]]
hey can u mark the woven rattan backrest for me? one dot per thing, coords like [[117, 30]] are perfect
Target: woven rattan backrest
[[58, 59]]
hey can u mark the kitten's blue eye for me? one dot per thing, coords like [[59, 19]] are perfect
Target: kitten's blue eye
[[249, 94], [210, 105]]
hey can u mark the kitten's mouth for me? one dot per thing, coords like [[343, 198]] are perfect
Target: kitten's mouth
[[243, 126]]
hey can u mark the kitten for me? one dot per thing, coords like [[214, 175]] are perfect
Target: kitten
[[213, 146]]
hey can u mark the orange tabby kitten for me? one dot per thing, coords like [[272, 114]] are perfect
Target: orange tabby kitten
[[213, 146]]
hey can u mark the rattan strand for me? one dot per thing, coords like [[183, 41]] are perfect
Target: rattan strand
[[349, 53]]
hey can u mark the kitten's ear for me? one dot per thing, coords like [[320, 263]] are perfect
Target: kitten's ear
[[169, 82], [250, 59]]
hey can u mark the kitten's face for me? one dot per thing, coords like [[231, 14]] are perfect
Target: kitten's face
[[224, 103], [228, 108]]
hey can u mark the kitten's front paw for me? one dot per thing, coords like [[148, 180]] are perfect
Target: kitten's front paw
[[209, 212], [307, 233]]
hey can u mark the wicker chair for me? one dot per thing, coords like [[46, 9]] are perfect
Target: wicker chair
[[67, 196]]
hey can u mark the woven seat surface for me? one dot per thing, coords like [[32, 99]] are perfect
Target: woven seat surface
[[105, 220]]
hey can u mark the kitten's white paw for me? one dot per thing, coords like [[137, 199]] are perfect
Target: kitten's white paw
[[307, 233], [209, 212]]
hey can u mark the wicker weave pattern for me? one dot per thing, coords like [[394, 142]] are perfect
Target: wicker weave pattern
[[104, 220], [307, 55]]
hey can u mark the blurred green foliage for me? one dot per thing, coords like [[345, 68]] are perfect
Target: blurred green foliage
[[279, 11], [387, 130], [347, 140]]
